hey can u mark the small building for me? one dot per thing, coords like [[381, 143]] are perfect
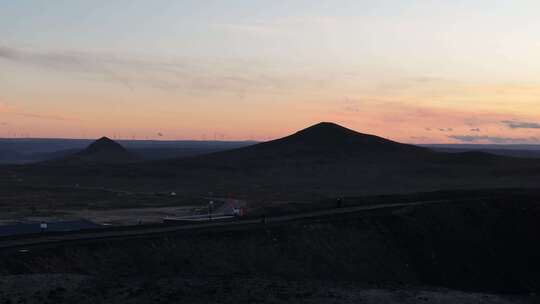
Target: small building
[[232, 207], [217, 209]]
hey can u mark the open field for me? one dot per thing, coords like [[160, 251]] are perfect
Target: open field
[[126, 216], [25, 203], [414, 253], [65, 288]]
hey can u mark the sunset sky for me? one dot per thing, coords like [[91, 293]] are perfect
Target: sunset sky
[[450, 71]]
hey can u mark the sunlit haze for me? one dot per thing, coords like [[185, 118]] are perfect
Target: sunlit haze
[[413, 71]]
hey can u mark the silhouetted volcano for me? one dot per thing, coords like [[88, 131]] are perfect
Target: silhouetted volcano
[[329, 139], [328, 159], [103, 150], [328, 133], [319, 161], [323, 141], [104, 145]]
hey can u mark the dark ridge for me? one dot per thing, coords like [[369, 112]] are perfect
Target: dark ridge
[[103, 150], [333, 136], [316, 147], [103, 145], [330, 140]]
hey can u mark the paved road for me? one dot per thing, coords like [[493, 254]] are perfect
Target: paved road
[[141, 231]]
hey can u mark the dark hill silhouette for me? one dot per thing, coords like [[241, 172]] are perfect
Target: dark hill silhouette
[[322, 160], [322, 142], [331, 139], [103, 145], [103, 150], [328, 159]]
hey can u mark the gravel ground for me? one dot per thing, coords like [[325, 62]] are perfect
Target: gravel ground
[[124, 216], [68, 288]]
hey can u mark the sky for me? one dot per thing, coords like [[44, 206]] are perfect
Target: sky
[[414, 71]]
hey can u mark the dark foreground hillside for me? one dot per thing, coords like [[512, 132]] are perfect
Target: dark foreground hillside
[[421, 253]]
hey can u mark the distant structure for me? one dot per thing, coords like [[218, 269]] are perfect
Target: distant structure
[[43, 226], [217, 209], [233, 207]]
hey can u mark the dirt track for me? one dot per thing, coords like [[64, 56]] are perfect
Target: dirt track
[[146, 231]]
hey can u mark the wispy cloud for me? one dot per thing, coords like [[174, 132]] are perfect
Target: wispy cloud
[[47, 117], [257, 28], [494, 139], [11, 110], [352, 109], [207, 75], [514, 124]]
